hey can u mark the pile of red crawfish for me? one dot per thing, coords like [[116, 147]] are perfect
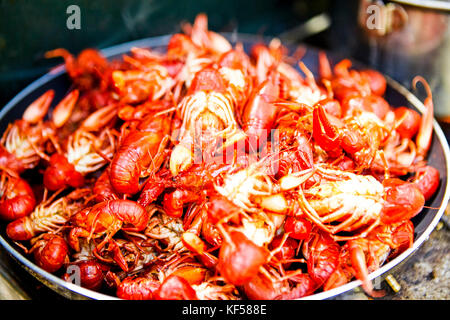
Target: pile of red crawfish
[[204, 172]]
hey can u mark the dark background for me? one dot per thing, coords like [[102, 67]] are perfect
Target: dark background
[[30, 28]]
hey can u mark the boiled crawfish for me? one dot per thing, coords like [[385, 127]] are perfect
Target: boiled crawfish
[[49, 216]]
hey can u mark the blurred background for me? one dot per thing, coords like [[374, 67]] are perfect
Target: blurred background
[[408, 39]]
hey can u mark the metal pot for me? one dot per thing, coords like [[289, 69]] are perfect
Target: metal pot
[[405, 38], [424, 223]]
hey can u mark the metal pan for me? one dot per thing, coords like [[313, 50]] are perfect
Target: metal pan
[[397, 95]]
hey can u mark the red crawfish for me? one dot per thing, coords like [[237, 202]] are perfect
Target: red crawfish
[[207, 113], [240, 259], [48, 216], [257, 116], [132, 252], [196, 221], [407, 122], [16, 196], [191, 186], [173, 279], [189, 59], [184, 266], [147, 285], [199, 248], [344, 201], [208, 40], [146, 82], [403, 201], [140, 153], [256, 209], [88, 70], [50, 251], [23, 143], [103, 189], [322, 255], [290, 287], [424, 135], [138, 288], [175, 288], [356, 90], [166, 229], [350, 135], [142, 56], [85, 269], [260, 112], [91, 74], [262, 206], [304, 91], [373, 103], [106, 219], [237, 72], [199, 179], [212, 289], [361, 256], [181, 45], [192, 63], [426, 178], [405, 149], [295, 147], [346, 82], [284, 250], [87, 149]]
